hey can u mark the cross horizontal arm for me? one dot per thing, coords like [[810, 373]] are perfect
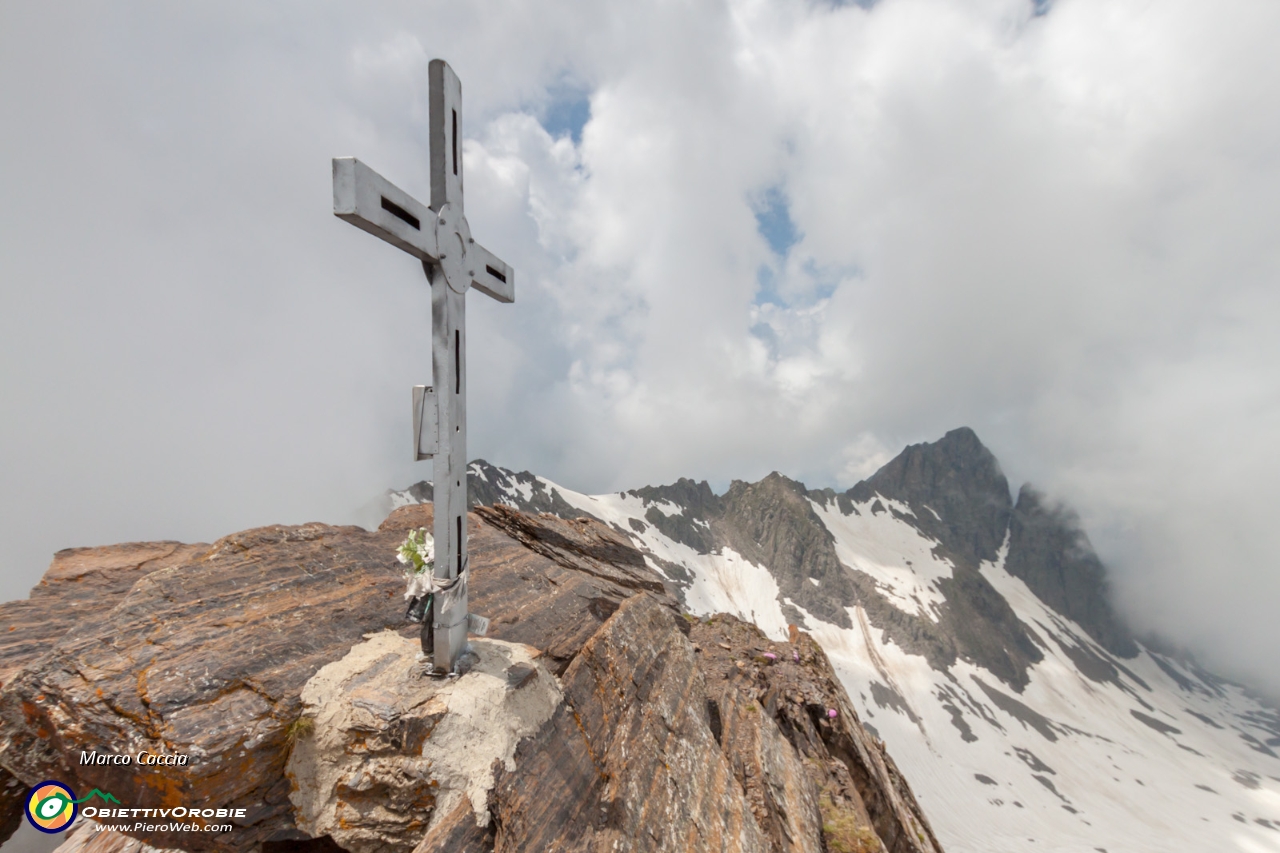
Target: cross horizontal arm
[[372, 203], [490, 274]]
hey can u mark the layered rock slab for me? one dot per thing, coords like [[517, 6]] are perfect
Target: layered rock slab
[[630, 764], [79, 586], [206, 651], [679, 735], [637, 759], [203, 659], [797, 747]]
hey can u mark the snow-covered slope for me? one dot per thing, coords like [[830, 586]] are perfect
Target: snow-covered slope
[[943, 607]]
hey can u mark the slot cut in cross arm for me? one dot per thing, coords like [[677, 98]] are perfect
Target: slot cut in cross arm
[[372, 203], [490, 274]]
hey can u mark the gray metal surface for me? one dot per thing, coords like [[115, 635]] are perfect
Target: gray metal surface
[[369, 201], [440, 236], [426, 422]]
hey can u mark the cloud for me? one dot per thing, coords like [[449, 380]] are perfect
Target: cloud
[[748, 236]]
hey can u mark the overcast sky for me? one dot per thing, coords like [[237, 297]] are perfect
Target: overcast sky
[[748, 236]]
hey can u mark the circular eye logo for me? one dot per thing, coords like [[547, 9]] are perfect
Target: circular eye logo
[[51, 806]]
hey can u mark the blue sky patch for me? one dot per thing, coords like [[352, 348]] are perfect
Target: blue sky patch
[[567, 113], [767, 291], [773, 219], [822, 284]]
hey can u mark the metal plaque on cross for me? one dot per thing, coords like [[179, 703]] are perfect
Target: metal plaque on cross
[[439, 236]]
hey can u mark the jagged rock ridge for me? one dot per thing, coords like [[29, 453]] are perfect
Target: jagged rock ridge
[[952, 491], [209, 651], [976, 635]]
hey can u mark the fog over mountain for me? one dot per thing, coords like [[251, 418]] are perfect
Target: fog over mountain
[[748, 236]]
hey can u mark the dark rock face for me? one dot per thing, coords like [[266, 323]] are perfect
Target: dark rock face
[[986, 629], [727, 748], [959, 498], [772, 524], [206, 650], [632, 728], [550, 583], [958, 479], [489, 485], [768, 712], [692, 525], [975, 623], [1049, 551], [955, 494]]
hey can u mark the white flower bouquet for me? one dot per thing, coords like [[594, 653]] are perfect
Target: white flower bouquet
[[418, 554]]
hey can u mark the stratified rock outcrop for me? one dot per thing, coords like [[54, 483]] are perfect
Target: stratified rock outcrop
[[719, 740], [772, 523], [671, 732], [80, 587], [631, 762], [794, 740]]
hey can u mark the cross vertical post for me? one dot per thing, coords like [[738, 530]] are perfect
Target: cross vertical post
[[448, 362], [449, 378], [439, 236]]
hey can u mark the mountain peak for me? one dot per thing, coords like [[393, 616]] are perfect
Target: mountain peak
[[958, 484], [690, 494]]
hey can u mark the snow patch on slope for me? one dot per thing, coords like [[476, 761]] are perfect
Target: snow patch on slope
[[728, 583], [1129, 762], [399, 499], [724, 582], [894, 553]]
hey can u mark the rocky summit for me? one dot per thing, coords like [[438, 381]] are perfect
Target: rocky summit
[[597, 714], [976, 635]]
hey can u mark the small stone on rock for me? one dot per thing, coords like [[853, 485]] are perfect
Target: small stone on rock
[[521, 674], [466, 662]]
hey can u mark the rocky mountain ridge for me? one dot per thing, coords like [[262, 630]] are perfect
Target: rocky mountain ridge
[[975, 634], [277, 659], [951, 491]]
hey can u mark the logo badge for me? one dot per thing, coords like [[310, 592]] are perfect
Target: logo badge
[[51, 806]]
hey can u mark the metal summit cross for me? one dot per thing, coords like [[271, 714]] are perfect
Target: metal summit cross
[[439, 236]]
